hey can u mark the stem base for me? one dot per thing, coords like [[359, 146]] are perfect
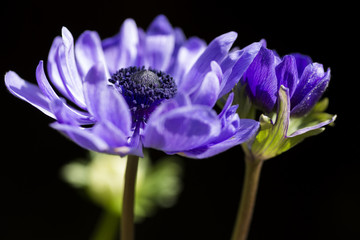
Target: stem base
[[127, 218], [248, 197]]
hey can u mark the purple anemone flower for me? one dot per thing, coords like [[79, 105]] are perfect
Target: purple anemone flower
[[305, 80], [153, 89]]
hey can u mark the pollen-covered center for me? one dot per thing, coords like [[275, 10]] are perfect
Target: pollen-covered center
[[145, 78], [143, 89]]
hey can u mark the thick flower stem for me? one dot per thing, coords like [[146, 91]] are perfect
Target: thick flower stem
[[127, 220], [248, 197]]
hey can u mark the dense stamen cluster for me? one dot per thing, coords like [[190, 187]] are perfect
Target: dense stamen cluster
[[143, 89]]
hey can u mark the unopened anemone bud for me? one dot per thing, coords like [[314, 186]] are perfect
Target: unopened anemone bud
[[306, 81]]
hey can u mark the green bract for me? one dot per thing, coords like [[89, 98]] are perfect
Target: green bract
[[279, 133]]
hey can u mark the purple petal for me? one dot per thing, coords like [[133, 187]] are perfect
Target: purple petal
[[44, 84], [47, 90], [229, 61], [261, 80], [113, 108], [88, 52], [312, 84], [104, 135], [95, 84], [128, 45], [313, 73], [53, 70], [136, 145], [301, 62], [227, 105], [186, 57], [263, 42], [141, 52], [179, 41], [159, 44], [180, 129], [234, 131], [160, 26], [68, 69], [180, 100], [62, 114], [246, 57], [230, 122], [180, 38], [159, 49], [286, 73], [28, 92], [111, 51], [82, 136], [208, 92], [215, 67], [67, 115], [112, 135], [104, 102], [312, 97], [247, 130], [216, 51]]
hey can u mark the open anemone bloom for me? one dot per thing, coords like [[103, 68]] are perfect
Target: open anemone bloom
[[153, 89]]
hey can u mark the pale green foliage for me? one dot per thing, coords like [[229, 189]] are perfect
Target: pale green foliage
[[102, 178]]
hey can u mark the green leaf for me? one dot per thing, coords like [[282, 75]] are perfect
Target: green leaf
[[246, 109]]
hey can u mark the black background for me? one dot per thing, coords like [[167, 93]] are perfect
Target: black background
[[310, 192]]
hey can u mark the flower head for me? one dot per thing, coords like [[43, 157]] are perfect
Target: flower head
[[305, 80], [288, 91], [153, 89]]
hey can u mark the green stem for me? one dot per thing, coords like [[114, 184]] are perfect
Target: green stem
[[248, 196], [127, 219], [106, 227]]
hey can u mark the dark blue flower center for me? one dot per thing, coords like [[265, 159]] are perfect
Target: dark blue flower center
[[143, 89]]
